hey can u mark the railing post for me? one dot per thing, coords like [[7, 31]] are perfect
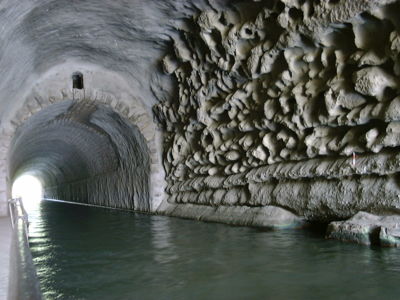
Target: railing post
[[10, 208]]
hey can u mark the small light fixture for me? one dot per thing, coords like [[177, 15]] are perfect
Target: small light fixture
[[77, 80]]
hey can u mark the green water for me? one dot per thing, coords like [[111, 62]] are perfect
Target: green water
[[93, 253]]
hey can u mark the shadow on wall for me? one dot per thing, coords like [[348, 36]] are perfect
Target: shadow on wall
[[84, 152]]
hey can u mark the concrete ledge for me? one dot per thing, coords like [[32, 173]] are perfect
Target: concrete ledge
[[5, 248], [267, 216], [3, 209]]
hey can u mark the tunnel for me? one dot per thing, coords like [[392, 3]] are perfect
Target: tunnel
[[84, 152], [279, 114], [267, 113]]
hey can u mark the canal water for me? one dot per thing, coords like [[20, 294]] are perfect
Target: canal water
[[92, 253]]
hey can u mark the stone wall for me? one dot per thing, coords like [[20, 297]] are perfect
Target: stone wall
[[287, 103]]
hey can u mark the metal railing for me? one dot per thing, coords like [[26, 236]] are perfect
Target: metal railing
[[24, 282]]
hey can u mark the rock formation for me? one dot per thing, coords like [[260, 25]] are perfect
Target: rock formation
[[286, 103], [367, 229]]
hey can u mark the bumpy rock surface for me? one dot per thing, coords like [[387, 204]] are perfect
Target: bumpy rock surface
[[367, 229], [286, 103]]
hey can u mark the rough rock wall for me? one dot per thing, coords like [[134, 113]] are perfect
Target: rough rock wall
[[286, 103]]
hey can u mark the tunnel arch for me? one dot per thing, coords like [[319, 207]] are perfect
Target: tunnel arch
[[103, 89], [84, 152]]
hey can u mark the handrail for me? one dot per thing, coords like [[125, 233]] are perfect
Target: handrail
[[24, 283]]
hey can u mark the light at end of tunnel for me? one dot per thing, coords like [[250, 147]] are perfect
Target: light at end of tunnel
[[29, 188]]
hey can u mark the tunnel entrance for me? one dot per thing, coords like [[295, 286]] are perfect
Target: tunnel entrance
[[29, 188], [84, 152]]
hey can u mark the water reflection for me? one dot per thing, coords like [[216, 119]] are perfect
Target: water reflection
[[91, 253], [163, 248]]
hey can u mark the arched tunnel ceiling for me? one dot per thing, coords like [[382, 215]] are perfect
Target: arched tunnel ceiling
[[83, 144], [126, 37], [61, 139]]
